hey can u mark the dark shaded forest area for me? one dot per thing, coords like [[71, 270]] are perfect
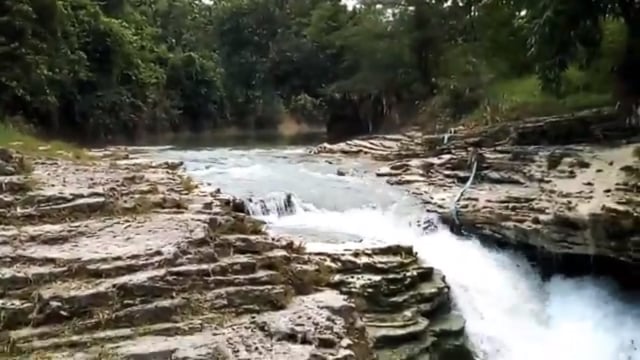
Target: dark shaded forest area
[[99, 69]]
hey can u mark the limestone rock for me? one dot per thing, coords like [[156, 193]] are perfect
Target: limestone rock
[[378, 146], [402, 302], [115, 259], [577, 201]]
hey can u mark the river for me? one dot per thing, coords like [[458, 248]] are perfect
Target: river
[[511, 313]]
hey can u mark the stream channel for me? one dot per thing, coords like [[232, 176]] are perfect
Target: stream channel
[[511, 313]]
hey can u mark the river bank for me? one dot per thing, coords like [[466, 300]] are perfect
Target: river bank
[[117, 256], [564, 189]]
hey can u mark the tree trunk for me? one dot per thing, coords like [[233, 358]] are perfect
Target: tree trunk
[[627, 87], [628, 72]]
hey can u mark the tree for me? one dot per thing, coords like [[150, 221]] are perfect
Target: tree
[[101, 69], [562, 31]]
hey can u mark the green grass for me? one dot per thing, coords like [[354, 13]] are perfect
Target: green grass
[[515, 99], [482, 92], [22, 141]]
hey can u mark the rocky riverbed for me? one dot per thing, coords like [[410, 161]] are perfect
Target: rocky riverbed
[[118, 257], [564, 189]]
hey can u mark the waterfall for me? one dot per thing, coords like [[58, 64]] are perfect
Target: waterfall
[[276, 204]]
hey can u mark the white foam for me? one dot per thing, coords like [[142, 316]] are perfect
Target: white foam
[[246, 171], [277, 204], [511, 313]]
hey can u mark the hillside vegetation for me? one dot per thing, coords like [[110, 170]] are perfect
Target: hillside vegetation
[[97, 69]]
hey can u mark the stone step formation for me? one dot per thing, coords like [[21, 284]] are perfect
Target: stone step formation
[[406, 306], [120, 258]]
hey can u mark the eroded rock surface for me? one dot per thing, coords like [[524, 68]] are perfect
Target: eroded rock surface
[[121, 258], [405, 305], [547, 184], [380, 147]]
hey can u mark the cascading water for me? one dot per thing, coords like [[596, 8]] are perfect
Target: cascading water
[[511, 313], [274, 204]]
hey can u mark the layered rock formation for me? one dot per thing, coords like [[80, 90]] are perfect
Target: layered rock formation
[[121, 258], [379, 147], [563, 188], [127, 259], [405, 305]]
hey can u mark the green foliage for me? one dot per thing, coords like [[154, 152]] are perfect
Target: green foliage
[[129, 67], [512, 99], [580, 32], [196, 83]]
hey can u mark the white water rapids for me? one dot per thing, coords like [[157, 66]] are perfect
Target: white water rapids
[[511, 313]]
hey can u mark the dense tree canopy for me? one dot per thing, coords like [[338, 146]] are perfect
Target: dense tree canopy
[[100, 68]]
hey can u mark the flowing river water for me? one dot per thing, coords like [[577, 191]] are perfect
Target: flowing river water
[[511, 313]]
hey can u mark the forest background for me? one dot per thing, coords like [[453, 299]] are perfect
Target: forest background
[[98, 70]]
